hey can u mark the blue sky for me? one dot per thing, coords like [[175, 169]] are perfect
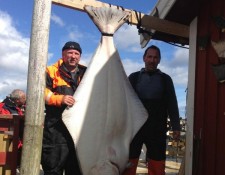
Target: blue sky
[[67, 24]]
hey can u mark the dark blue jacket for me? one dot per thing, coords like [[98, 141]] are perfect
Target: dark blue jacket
[[157, 93]]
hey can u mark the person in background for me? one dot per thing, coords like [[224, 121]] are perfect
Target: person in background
[[63, 78], [14, 103], [156, 91]]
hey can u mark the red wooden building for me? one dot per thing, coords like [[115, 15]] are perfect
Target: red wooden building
[[205, 151]]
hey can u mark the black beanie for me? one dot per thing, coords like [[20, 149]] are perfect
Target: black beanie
[[72, 45]]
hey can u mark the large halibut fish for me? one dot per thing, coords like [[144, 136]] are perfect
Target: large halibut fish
[[107, 112]]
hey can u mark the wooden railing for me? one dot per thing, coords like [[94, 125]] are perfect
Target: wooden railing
[[11, 130]]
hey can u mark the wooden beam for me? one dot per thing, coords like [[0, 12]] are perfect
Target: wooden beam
[[148, 22], [165, 26], [79, 4]]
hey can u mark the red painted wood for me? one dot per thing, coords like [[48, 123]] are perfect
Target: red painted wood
[[2, 158], [209, 116], [11, 123], [200, 95], [7, 158]]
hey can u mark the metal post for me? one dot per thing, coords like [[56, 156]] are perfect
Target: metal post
[[34, 115]]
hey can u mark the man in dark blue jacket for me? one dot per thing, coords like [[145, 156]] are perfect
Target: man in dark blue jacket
[[156, 91]]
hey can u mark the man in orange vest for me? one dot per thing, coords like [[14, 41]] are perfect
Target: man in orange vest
[[63, 78]]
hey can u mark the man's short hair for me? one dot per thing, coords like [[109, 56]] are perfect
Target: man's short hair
[[16, 94], [155, 48]]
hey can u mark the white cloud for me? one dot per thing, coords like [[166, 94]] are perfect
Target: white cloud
[[177, 66], [180, 57], [6, 30], [127, 38], [57, 20], [14, 53], [131, 66], [74, 33]]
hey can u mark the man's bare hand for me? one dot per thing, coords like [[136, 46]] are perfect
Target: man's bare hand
[[68, 100]]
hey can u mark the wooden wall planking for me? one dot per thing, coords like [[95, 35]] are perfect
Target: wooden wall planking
[[209, 120]]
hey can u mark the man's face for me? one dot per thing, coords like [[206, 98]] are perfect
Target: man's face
[[21, 101], [151, 59], [71, 57]]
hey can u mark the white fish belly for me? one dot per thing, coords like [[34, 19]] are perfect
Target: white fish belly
[[106, 115]]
